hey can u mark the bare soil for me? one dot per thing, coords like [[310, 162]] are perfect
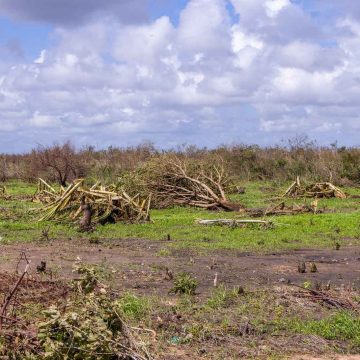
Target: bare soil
[[141, 264]]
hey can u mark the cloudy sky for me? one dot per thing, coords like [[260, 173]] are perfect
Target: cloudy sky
[[202, 72]]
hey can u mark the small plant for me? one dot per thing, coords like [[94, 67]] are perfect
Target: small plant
[[164, 252], [90, 276], [184, 283], [94, 240], [222, 297], [45, 236], [133, 306]]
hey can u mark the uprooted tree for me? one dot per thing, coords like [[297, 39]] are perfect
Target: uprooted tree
[[181, 181]]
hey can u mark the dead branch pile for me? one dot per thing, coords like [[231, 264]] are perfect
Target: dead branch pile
[[180, 181], [315, 190], [328, 299], [84, 322], [100, 204], [235, 223], [283, 209]]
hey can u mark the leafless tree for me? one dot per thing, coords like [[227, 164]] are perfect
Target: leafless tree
[[59, 160]]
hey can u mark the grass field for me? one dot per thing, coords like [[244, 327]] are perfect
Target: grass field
[[340, 223]]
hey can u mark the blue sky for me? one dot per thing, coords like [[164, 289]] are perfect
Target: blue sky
[[32, 37], [203, 72]]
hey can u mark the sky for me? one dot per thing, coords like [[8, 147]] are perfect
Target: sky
[[173, 72]]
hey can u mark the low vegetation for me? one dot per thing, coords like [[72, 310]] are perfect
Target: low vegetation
[[62, 163]]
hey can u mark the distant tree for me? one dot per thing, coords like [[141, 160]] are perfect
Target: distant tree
[[60, 160]]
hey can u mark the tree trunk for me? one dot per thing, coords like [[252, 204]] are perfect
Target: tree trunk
[[85, 222], [230, 206]]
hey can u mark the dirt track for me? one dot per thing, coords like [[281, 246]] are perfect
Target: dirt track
[[138, 265]]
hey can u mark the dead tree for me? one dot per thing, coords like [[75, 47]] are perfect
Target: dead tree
[[59, 161], [182, 181]]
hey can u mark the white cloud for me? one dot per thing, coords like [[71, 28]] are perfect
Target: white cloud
[[108, 82], [273, 7], [41, 58]]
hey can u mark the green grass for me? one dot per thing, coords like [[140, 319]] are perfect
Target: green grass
[[339, 224], [134, 307], [344, 326]]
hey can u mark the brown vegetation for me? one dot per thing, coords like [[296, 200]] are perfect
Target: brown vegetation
[[182, 181], [97, 204], [62, 163]]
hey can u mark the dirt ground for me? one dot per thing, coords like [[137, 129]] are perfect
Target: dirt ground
[[141, 264]]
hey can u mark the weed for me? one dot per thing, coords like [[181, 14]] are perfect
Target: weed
[[184, 283], [132, 306], [222, 297], [163, 253], [340, 326]]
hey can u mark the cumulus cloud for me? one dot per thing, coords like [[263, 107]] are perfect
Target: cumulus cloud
[[209, 79]]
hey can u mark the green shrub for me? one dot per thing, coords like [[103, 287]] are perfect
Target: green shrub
[[184, 283]]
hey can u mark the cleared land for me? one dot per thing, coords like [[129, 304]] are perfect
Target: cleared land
[[255, 311]]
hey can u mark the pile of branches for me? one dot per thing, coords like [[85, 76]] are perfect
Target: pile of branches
[[329, 299], [86, 324], [315, 190], [188, 182], [96, 204], [283, 209]]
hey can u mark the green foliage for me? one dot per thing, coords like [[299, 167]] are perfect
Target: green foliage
[[86, 331], [90, 277], [132, 306], [340, 326], [91, 327], [184, 283]]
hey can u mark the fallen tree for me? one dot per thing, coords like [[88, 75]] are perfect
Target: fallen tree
[[283, 209], [315, 190], [234, 222], [96, 204], [181, 181]]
